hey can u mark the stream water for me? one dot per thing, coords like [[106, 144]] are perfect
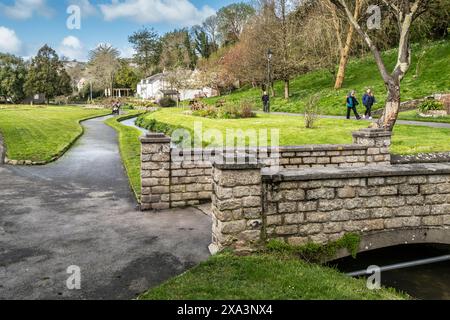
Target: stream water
[[427, 282]]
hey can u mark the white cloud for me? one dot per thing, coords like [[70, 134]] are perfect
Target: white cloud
[[87, 8], [181, 12], [9, 42], [25, 9], [72, 48]]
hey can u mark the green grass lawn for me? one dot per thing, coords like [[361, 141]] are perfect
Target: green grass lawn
[[41, 133], [406, 140], [265, 277], [433, 77], [414, 116], [130, 148]]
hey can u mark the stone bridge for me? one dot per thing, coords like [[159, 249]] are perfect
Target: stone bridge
[[317, 194], [387, 206]]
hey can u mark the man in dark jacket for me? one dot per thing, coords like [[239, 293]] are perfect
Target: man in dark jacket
[[368, 101], [266, 102], [352, 103]]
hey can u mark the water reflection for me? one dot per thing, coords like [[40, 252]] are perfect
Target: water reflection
[[422, 282]]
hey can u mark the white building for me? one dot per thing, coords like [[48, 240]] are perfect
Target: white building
[[154, 88]]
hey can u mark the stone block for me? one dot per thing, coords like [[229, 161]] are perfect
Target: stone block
[[286, 230], [294, 218], [287, 207], [346, 192], [322, 193]]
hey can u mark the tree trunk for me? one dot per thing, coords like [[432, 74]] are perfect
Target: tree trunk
[[286, 89], [345, 52], [392, 107]]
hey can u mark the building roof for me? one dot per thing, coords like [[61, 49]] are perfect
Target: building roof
[[154, 77]]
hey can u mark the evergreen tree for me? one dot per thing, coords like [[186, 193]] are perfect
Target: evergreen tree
[[47, 75]]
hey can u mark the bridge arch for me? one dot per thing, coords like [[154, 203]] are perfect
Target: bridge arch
[[391, 238]]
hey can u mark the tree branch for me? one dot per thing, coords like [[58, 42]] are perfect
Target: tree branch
[[343, 5], [392, 6]]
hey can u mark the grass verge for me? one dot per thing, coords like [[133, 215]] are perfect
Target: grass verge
[[432, 76], [130, 149], [406, 140], [42, 133], [414, 116], [265, 277]]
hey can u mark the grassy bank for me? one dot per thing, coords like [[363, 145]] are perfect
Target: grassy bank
[[406, 140], [42, 133], [414, 116], [130, 148], [433, 76], [264, 277]]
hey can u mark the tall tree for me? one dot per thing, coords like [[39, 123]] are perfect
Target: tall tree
[[344, 45], [47, 75], [13, 74], [177, 51], [147, 44], [211, 27], [232, 20], [202, 44], [126, 76], [103, 65], [405, 12]]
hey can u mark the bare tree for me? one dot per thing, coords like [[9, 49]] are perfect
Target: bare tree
[[405, 12], [344, 46]]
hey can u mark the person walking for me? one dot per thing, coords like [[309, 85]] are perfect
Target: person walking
[[266, 102], [352, 103], [368, 101]]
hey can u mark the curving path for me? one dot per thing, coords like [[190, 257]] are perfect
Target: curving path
[[80, 211], [406, 122]]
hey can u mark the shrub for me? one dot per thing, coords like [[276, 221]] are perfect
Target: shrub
[[311, 111], [431, 105], [208, 112], [197, 105], [167, 102], [232, 111]]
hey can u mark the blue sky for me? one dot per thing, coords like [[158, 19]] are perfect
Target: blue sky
[[26, 25]]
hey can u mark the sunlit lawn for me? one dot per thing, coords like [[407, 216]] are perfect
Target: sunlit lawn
[[40, 133], [265, 277], [406, 140]]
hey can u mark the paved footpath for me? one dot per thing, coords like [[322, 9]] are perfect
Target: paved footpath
[[406, 122], [80, 211]]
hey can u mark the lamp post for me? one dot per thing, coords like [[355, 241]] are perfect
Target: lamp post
[[269, 73]]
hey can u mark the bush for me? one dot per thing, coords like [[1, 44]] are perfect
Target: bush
[[167, 102], [207, 112], [242, 111], [431, 105], [311, 111], [197, 105]]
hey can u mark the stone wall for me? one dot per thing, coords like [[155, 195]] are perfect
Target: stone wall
[[184, 176], [321, 205]]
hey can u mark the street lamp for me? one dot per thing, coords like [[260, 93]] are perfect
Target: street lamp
[[269, 73]]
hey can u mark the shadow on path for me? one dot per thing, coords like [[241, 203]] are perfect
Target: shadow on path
[[80, 211]]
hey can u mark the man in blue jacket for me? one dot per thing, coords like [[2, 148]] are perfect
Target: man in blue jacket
[[368, 101]]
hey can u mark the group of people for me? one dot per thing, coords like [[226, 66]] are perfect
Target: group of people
[[116, 107], [368, 101]]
